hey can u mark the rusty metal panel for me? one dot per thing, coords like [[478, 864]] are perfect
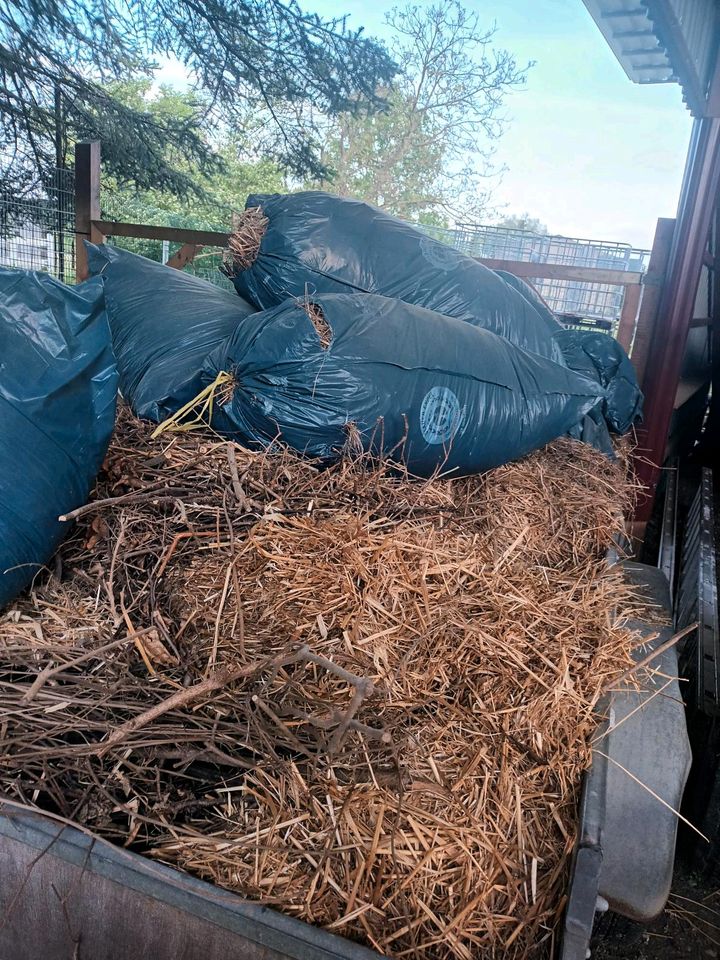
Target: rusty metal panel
[[667, 350]]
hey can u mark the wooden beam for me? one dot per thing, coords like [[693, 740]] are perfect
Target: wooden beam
[[652, 291], [87, 202], [147, 231], [628, 316], [560, 271], [185, 255]]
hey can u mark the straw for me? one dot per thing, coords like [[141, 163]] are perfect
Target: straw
[[244, 242], [400, 680], [200, 407]]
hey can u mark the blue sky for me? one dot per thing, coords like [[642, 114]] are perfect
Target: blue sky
[[587, 151]]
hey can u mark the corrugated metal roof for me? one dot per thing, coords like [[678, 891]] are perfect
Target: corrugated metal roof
[[663, 41]]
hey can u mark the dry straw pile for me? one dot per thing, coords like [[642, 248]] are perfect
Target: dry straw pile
[[244, 242], [363, 699]]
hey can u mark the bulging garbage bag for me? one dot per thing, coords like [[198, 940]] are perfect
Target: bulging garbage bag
[[58, 386], [432, 391], [601, 358], [164, 322], [314, 243], [533, 297]]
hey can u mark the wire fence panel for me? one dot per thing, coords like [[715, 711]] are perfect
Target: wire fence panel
[[37, 232], [575, 300], [122, 205]]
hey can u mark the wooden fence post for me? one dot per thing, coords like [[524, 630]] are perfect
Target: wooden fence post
[[87, 202], [629, 315], [652, 290]]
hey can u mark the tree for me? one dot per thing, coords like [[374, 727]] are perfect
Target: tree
[[220, 193], [523, 221], [428, 156], [58, 56]]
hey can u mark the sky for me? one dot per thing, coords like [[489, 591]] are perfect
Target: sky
[[586, 151]]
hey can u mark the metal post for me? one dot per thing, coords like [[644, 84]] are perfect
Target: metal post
[[87, 201]]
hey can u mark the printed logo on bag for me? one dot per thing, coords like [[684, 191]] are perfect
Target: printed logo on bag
[[440, 415], [439, 254]]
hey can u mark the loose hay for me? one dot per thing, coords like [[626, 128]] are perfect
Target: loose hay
[[363, 699], [322, 327], [244, 242]]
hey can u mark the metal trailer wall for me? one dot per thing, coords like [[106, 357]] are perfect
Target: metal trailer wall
[[65, 895]]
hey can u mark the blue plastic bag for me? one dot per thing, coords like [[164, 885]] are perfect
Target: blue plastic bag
[[164, 323], [601, 358], [58, 387], [316, 243], [432, 391]]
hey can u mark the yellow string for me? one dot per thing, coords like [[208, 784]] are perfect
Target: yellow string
[[201, 406]]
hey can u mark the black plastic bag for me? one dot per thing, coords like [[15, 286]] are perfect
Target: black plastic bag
[[432, 391], [601, 358], [58, 386], [533, 297], [316, 243], [164, 322]]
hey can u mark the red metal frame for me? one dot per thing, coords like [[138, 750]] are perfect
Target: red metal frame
[[697, 202]]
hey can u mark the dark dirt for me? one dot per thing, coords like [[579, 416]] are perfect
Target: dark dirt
[[688, 929]]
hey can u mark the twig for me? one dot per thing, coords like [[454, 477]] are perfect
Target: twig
[[47, 672], [159, 496], [220, 678], [237, 486], [650, 657]]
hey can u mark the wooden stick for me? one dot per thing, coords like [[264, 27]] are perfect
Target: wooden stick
[[163, 493], [220, 678], [48, 672], [237, 486]]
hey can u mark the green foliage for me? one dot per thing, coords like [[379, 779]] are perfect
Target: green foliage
[[48, 53], [57, 60], [428, 155], [218, 195]]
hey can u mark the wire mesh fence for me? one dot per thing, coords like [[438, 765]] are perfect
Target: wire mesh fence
[[576, 301], [124, 205], [37, 230]]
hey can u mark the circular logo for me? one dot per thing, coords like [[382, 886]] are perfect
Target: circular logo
[[438, 254], [440, 415]]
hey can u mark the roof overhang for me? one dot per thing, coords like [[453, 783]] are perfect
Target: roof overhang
[[665, 41]]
